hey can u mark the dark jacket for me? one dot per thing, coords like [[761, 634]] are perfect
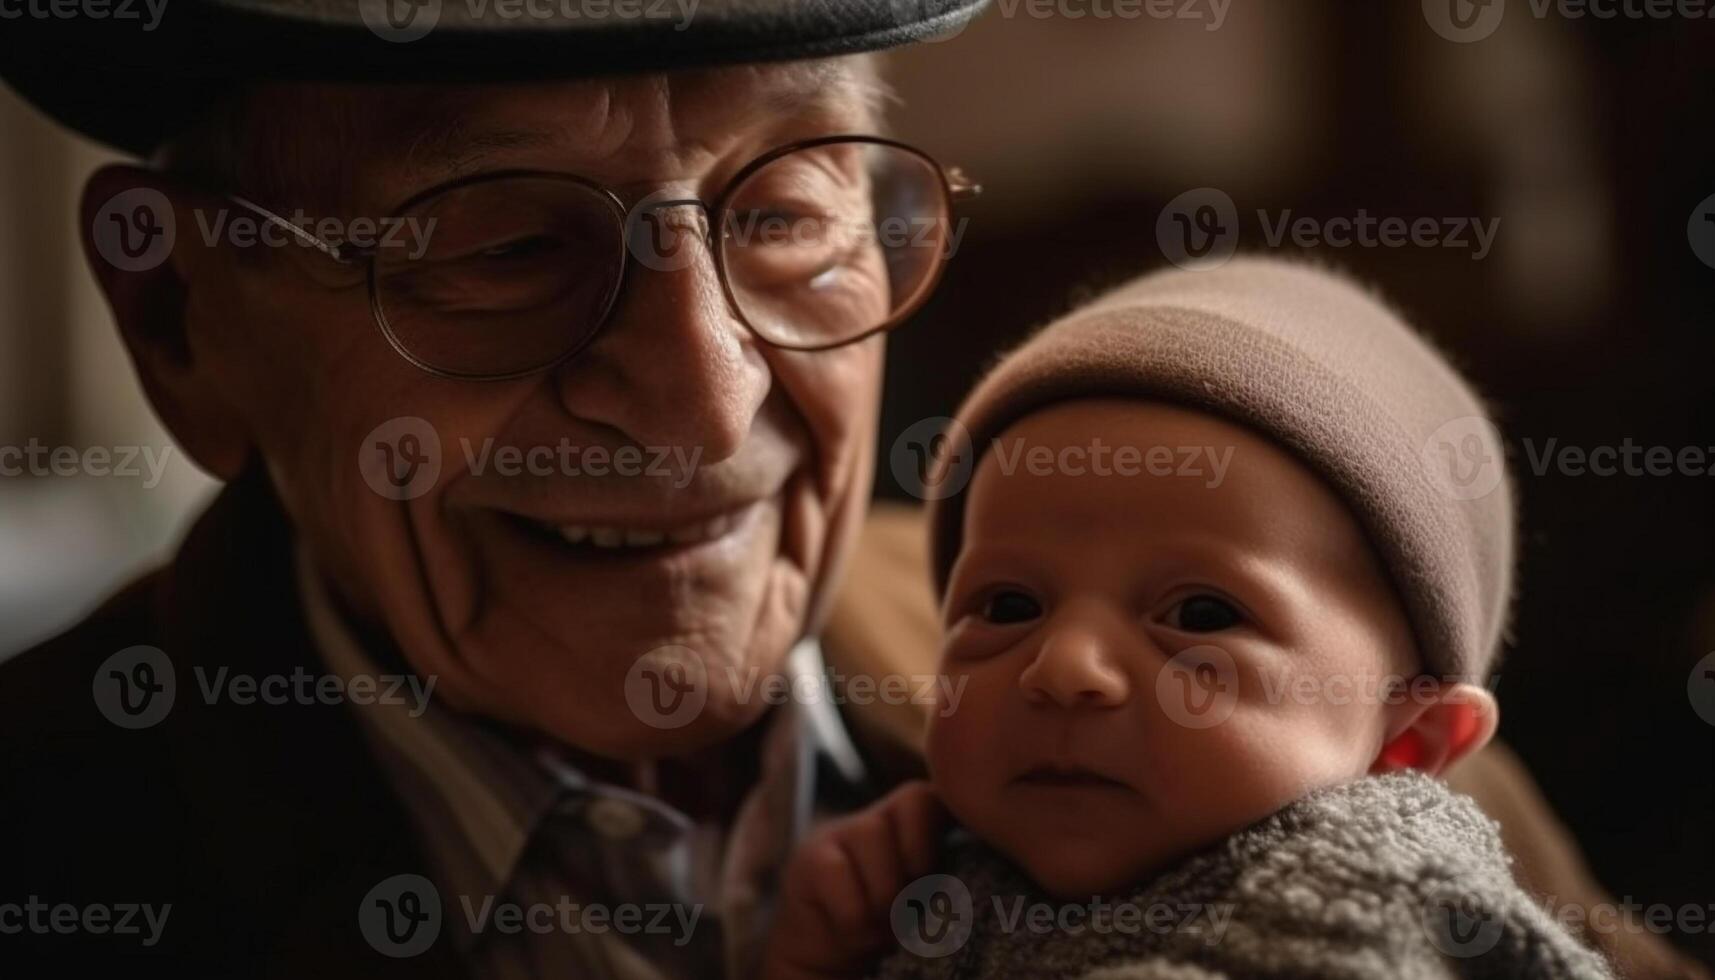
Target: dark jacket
[[264, 826]]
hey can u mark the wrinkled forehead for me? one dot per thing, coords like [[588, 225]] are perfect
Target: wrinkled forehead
[[368, 146]]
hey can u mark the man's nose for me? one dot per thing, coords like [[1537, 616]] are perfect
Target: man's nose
[[673, 367], [1078, 664]]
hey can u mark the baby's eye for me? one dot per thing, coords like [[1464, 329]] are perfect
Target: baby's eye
[[1204, 614], [1010, 606]]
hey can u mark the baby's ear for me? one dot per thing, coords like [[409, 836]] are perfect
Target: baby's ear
[[1438, 725]]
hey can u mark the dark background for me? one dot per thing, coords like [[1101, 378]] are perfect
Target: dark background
[[1591, 321]]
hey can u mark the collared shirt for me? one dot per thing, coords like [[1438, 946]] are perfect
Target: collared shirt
[[544, 872]]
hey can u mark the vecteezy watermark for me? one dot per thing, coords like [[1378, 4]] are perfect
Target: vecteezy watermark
[[1456, 923], [1102, 917], [1700, 231], [137, 687], [401, 459], [1464, 457], [932, 459], [672, 463], [1338, 689], [1206, 463], [401, 21], [1630, 916], [669, 686], [147, 11], [408, 236], [34, 459], [33, 915], [135, 230], [1198, 687], [660, 226], [1212, 14], [1460, 925], [1700, 688], [402, 917], [830, 686], [933, 916], [1200, 229], [673, 921], [1627, 458], [1465, 21]]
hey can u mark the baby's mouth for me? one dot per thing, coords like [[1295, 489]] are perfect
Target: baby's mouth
[[1052, 776]]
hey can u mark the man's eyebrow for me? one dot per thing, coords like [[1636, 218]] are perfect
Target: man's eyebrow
[[449, 145]]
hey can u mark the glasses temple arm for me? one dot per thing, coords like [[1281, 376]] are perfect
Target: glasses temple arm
[[335, 252]]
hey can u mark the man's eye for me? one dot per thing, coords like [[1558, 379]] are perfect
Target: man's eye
[[1204, 614], [520, 248], [1010, 606]]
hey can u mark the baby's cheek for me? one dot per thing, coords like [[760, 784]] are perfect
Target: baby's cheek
[[966, 754], [1274, 754]]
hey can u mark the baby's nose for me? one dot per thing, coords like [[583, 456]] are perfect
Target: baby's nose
[[1078, 666]]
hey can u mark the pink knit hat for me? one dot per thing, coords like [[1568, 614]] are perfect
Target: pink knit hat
[[1313, 362]]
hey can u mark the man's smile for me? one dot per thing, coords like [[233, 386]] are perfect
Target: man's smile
[[604, 539]]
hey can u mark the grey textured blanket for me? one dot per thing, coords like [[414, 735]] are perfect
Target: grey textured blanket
[[1386, 877]]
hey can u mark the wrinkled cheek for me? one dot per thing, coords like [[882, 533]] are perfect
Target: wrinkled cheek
[[836, 394], [834, 398]]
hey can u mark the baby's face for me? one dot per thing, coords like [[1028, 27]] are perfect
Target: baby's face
[[1079, 746]]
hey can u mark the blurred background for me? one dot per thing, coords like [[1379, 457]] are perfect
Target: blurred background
[[1590, 321]]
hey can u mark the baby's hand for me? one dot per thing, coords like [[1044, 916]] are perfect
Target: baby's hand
[[838, 889]]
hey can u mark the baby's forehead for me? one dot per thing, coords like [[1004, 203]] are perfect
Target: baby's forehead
[[1118, 472]]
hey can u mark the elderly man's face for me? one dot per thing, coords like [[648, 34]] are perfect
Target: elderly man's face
[[473, 578]]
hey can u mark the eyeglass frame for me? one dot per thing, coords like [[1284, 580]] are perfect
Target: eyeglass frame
[[955, 186]]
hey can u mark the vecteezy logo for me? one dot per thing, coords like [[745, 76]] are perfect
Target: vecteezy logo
[[1199, 687], [653, 236], [400, 459], [933, 916], [135, 687], [134, 230], [667, 687], [1456, 924], [400, 20], [1199, 229], [1463, 457], [1701, 231], [913, 13], [401, 916], [1700, 688], [1464, 21], [932, 458]]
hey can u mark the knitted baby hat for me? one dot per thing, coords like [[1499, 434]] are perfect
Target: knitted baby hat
[[1318, 365]]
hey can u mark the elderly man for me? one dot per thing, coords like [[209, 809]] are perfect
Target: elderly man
[[547, 412], [540, 356]]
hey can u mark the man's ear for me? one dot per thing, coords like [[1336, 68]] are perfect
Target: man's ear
[[140, 238], [1438, 725]]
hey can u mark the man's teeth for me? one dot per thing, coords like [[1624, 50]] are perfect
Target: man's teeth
[[619, 537]]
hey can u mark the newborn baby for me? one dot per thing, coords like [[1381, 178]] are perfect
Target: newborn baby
[[1221, 595]]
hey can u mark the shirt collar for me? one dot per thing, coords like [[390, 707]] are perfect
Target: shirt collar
[[495, 791]]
